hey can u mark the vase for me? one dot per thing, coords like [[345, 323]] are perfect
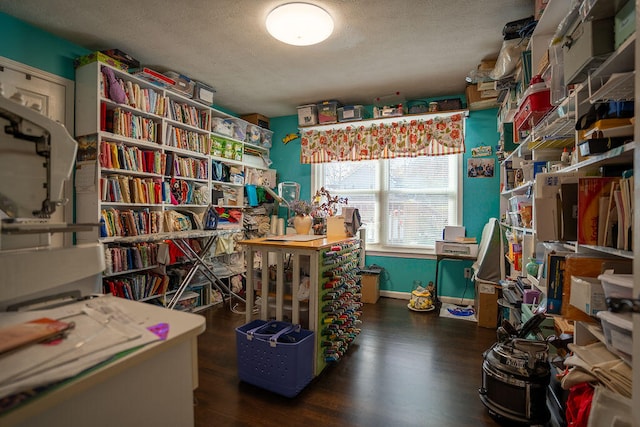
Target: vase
[[302, 223]]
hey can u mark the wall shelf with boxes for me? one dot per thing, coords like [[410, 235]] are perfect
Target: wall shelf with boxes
[[332, 115], [577, 163], [150, 163]]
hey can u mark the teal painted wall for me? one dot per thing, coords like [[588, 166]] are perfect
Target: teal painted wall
[[37, 48], [481, 202]]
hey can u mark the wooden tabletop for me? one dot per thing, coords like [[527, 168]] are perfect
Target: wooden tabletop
[[282, 242]]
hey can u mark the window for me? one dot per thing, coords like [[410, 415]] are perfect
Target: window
[[404, 202]]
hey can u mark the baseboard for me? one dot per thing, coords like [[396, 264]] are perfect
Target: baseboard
[[407, 296], [396, 294]]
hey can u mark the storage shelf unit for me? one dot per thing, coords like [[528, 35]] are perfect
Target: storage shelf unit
[[556, 130], [150, 155], [613, 79]]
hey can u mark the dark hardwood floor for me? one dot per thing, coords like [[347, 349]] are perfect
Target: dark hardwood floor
[[404, 369]]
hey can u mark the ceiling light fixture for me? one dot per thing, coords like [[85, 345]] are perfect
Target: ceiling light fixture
[[299, 24]]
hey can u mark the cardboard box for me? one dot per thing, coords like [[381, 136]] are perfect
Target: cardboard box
[[585, 266], [475, 101], [370, 288], [587, 294], [486, 304], [335, 227], [257, 119]]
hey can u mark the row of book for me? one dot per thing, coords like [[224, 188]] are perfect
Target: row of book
[[190, 115], [128, 189], [187, 140], [604, 207], [125, 123], [153, 102], [187, 167], [137, 286], [143, 99], [129, 222], [119, 156], [131, 257], [618, 216]]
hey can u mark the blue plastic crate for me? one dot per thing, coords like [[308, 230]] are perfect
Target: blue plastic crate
[[275, 358]]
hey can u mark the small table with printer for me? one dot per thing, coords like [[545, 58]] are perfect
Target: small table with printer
[[454, 247]]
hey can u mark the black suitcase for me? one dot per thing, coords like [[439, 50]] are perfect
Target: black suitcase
[[516, 375]]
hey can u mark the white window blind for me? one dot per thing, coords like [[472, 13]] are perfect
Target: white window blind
[[404, 202]]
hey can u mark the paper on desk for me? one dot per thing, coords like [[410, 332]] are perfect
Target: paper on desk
[[102, 330]]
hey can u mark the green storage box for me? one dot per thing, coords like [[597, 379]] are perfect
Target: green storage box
[[625, 23]]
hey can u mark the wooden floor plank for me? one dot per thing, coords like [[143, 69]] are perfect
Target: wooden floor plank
[[405, 369]]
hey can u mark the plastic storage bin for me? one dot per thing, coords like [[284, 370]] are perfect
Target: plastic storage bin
[[183, 84], [275, 356], [618, 331], [240, 129], [203, 93], [222, 126], [328, 112], [307, 115], [617, 285], [351, 112], [254, 134], [266, 137]]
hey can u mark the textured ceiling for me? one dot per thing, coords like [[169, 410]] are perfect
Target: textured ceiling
[[421, 48]]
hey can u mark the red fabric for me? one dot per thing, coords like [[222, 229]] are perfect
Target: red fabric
[[175, 254], [579, 405]]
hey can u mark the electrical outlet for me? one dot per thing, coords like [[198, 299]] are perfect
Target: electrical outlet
[[467, 273]]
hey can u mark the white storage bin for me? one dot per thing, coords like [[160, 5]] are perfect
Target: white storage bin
[[618, 332], [267, 137], [240, 129], [307, 115], [617, 285], [254, 134], [222, 126]]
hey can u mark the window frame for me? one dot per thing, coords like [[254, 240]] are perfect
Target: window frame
[[456, 161]]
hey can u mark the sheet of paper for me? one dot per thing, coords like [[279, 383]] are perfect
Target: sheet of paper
[[102, 330]]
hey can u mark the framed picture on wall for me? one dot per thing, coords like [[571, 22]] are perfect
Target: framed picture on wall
[[480, 168]]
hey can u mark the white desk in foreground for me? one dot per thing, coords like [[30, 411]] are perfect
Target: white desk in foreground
[[152, 386]]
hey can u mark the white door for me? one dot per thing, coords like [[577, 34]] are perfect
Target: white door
[[22, 174]]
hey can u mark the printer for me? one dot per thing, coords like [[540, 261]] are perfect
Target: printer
[[454, 244]]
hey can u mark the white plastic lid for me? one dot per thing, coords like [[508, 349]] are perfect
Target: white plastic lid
[[621, 320], [625, 280]]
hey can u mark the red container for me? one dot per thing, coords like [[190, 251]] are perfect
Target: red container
[[535, 106]]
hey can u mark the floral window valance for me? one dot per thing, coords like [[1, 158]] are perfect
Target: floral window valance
[[406, 137]]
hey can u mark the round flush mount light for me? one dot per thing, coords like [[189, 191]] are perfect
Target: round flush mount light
[[299, 24]]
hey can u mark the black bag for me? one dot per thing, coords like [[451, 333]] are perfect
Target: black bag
[[518, 29]]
